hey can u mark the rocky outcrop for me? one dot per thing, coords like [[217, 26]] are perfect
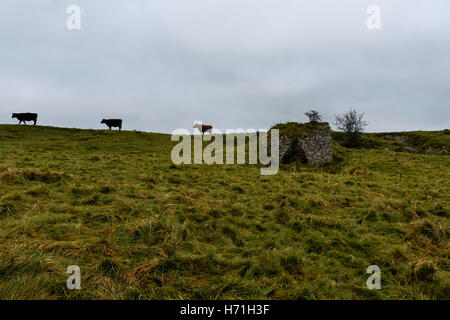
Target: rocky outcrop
[[409, 149], [435, 150], [414, 143], [308, 143]]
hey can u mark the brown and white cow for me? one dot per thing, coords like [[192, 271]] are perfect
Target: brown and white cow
[[203, 127]]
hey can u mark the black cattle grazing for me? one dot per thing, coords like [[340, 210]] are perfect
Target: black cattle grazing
[[25, 117], [113, 123]]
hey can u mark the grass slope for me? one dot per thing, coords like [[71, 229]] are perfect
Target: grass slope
[[142, 228], [435, 142]]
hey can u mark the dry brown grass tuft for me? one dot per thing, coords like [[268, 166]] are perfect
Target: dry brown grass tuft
[[424, 270], [10, 176]]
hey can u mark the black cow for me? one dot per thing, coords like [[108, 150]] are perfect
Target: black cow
[[113, 123], [25, 117]]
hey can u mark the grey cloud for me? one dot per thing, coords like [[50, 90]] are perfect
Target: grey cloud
[[161, 65]]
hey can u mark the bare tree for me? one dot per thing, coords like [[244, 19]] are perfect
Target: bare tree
[[352, 123], [313, 115]]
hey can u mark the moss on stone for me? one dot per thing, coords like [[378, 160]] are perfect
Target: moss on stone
[[299, 129]]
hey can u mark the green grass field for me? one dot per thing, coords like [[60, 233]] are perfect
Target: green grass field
[[140, 227]]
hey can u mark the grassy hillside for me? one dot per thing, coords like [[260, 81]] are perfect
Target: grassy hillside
[[429, 142], [140, 227]]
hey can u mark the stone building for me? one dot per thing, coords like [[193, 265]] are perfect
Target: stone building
[[308, 142]]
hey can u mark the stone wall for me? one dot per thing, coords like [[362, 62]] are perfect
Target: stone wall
[[311, 147]]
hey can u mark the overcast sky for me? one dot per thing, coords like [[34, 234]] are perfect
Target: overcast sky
[[161, 64]]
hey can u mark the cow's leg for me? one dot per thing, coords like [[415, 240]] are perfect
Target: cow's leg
[[34, 122], [120, 128], [109, 127]]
